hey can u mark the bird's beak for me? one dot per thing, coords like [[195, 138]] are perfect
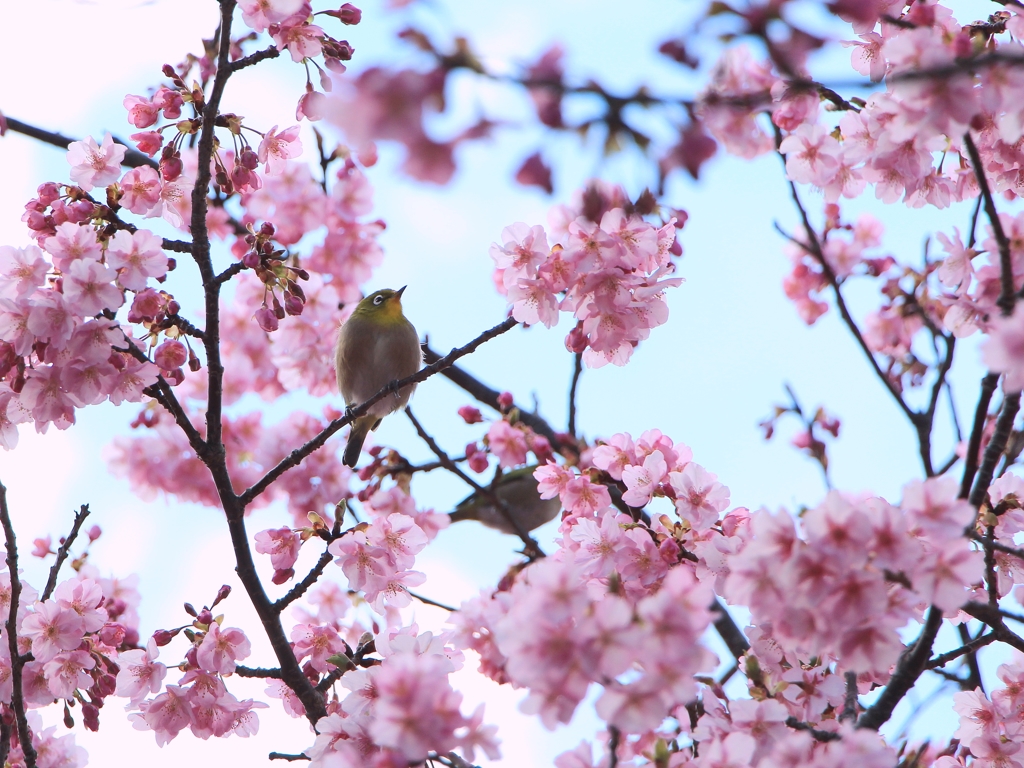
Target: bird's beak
[[400, 291]]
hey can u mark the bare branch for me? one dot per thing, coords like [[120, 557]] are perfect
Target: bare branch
[[1007, 296], [11, 623], [995, 448], [576, 371], [532, 548], [132, 157], [63, 550], [988, 387], [910, 666]]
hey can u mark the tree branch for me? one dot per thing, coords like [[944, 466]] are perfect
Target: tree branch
[[910, 666], [489, 397], [62, 552], [576, 372], [532, 548], [132, 157], [995, 448], [1007, 295], [17, 660], [988, 386]]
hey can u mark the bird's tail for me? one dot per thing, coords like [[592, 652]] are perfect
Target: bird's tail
[[360, 429]]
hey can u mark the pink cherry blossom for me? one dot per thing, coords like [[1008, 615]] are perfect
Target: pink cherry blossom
[[137, 257], [88, 288], [95, 165], [221, 648]]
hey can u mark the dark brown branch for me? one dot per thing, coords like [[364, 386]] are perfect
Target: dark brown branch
[[995, 448], [255, 58], [910, 666], [988, 386], [11, 622], [300, 589], [62, 552], [577, 370], [729, 631], [287, 757], [437, 366], [532, 548], [1007, 296], [257, 672], [988, 544], [614, 736], [489, 397], [428, 601], [974, 679], [178, 246], [967, 648], [818, 735], [132, 157], [230, 272], [814, 249]]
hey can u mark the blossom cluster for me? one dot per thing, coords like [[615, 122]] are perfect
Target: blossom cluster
[[402, 708], [59, 348], [990, 725], [854, 570], [609, 272]]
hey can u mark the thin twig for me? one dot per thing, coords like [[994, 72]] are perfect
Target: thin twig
[[613, 746], [988, 544], [816, 734], [63, 550], [995, 448], [988, 387], [260, 672], [295, 457], [1007, 296], [577, 370], [532, 548], [300, 589], [489, 397], [17, 660], [428, 601], [132, 157], [254, 58], [966, 648], [285, 756]]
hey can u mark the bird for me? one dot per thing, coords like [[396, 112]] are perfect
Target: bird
[[376, 345], [518, 490]]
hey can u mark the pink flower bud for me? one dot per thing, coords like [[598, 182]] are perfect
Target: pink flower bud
[[251, 259], [171, 167], [106, 685], [48, 192], [170, 355], [91, 716], [266, 319], [534, 172], [293, 304], [470, 414], [576, 341], [222, 594], [163, 636], [505, 400], [349, 14], [95, 532], [205, 617]]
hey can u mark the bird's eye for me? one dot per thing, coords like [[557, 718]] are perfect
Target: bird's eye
[[378, 300]]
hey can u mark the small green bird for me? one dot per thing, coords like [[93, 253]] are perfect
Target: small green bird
[[518, 490], [376, 345]]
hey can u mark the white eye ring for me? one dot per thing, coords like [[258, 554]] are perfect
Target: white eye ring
[[378, 300]]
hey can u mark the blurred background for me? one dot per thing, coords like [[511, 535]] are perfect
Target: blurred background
[[707, 378]]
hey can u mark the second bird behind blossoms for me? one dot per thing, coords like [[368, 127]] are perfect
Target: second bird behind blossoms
[[376, 345]]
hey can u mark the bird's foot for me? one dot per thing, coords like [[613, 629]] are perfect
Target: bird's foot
[[349, 412]]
